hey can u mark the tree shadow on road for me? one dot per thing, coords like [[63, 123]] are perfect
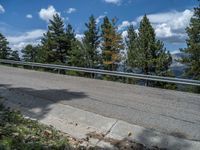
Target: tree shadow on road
[[37, 103]]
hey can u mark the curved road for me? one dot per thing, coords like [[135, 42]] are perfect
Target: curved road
[[171, 112]]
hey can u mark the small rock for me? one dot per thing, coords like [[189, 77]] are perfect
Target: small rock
[[129, 134], [16, 134], [87, 138], [47, 132]]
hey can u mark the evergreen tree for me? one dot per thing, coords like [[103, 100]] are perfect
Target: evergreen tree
[[54, 41], [147, 53], [14, 56], [146, 47], [132, 47], [77, 56], [91, 43], [192, 59], [48, 48], [71, 44], [41, 55], [4, 49], [29, 53], [112, 43]]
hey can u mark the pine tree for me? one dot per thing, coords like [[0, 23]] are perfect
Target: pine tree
[[14, 56], [192, 59], [77, 56], [112, 43], [147, 53], [146, 46], [91, 43], [48, 48], [4, 49], [132, 47], [29, 53], [41, 55], [54, 41], [70, 43]]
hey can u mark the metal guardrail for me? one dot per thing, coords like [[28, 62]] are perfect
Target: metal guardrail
[[106, 72]]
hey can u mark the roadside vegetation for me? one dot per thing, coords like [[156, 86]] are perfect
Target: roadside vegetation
[[102, 46], [18, 133]]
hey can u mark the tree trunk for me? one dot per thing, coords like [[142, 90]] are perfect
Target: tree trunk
[[146, 72]]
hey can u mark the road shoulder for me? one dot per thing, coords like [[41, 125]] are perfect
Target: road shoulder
[[95, 129]]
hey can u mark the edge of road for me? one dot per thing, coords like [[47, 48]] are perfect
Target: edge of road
[[94, 129]]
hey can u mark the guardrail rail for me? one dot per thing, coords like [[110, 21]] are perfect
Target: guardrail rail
[[106, 72]]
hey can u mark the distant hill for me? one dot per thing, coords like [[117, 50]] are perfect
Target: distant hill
[[177, 67]]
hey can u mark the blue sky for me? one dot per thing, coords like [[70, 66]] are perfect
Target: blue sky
[[24, 21]]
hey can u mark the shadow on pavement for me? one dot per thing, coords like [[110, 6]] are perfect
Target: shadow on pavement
[[37, 103]]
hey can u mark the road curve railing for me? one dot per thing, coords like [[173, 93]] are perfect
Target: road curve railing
[[105, 72]]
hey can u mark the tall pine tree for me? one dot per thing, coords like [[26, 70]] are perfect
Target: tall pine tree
[[132, 47], [91, 43], [77, 54], [42, 54], [147, 53], [55, 42], [48, 48], [112, 43], [71, 44], [4, 48], [192, 59], [146, 46]]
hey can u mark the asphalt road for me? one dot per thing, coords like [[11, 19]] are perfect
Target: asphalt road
[[171, 112]]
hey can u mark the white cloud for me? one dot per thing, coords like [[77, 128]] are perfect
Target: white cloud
[[170, 26], [124, 34], [163, 30], [79, 37], [174, 18], [2, 10], [21, 45], [99, 18], [31, 37], [116, 2], [29, 16], [71, 10], [175, 52], [47, 14], [126, 24]]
